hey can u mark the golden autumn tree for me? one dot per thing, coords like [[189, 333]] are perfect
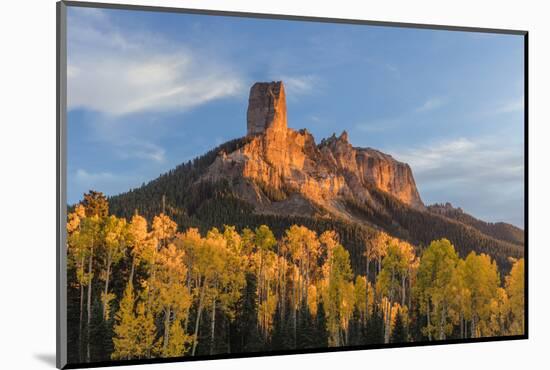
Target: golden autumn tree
[[391, 278], [339, 295], [364, 298], [77, 248], [173, 300], [90, 234], [482, 280], [134, 328], [164, 229], [515, 290], [434, 286], [137, 238], [460, 295], [114, 244]]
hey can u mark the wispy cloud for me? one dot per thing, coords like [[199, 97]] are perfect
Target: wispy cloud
[[510, 107], [118, 72], [111, 183], [390, 123], [480, 175], [377, 126], [92, 177], [464, 160], [431, 104], [134, 148], [393, 70], [296, 86]]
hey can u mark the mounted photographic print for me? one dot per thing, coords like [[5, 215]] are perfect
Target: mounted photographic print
[[235, 185]]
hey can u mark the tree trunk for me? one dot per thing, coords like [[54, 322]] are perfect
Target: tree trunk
[[388, 322], [428, 317], [367, 302], [167, 312], [131, 278], [461, 326], [197, 321], [213, 326], [403, 280], [82, 261], [105, 302], [367, 268], [410, 292], [89, 302], [442, 323]]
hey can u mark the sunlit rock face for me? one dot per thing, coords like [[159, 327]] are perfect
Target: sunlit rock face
[[289, 161], [266, 108]]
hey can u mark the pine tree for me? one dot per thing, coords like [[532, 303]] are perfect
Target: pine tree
[[399, 332], [375, 328], [280, 338], [321, 333], [305, 334]]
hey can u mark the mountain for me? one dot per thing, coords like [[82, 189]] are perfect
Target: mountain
[[279, 176], [498, 230]]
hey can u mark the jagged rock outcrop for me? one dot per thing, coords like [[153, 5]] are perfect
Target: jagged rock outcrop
[[306, 175], [266, 108]]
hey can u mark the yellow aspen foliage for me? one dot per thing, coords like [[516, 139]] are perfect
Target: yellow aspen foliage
[[312, 299], [179, 341], [500, 312], [363, 297], [164, 229], [434, 285], [126, 336], [339, 295], [137, 236], [146, 331], [115, 235], [515, 289], [482, 280]]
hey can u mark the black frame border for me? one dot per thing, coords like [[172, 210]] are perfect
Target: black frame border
[[61, 167]]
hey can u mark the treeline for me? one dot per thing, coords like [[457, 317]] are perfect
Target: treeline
[[420, 227], [140, 289], [498, 230]]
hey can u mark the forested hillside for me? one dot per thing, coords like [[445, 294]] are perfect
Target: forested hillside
[[498, 230], [147, 289]]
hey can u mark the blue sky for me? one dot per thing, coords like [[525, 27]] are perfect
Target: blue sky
[[148, 91]]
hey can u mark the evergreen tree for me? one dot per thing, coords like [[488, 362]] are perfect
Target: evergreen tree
[[321, 332], [247, 335], [281, 337], [375, 328], [356, 335], [305, 333], [399, 332]]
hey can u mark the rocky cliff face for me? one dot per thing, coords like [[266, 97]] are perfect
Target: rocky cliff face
[[305, 176]]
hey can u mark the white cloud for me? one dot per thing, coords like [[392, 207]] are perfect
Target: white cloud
[[510, 107], [86, 177], [133, 148], [379, 126], [481, 175], [464, 159], [299, 85], [117, 72], [431, 104]]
